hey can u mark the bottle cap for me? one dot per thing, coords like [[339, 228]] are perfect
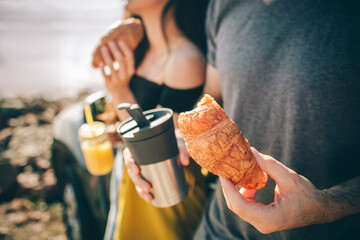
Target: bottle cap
[[149, 135]]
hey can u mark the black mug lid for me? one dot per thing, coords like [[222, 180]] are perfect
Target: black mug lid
[[160, 119]]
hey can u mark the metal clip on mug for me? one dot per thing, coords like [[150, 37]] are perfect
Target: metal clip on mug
[[151, 140]]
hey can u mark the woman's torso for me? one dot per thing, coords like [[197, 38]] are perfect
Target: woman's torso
[[154, 83], [167, 86]]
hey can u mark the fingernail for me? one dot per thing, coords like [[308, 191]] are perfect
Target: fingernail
[[185, 160], [116, 65], [107, 70]]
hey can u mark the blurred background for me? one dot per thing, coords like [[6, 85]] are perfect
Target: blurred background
[[46, 45], [45, 66]]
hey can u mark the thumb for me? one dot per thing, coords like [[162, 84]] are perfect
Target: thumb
[[234, 199], [275, 169], [239, 204]]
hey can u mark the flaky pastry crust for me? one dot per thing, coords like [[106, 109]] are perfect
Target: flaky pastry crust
[[215, 142]]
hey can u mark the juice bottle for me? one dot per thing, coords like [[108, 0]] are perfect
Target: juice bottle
[[96, 148]]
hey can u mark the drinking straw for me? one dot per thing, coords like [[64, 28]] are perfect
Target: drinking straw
[[88, 115]]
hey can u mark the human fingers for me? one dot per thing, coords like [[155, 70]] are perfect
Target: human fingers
[[144, 195], [140, 182], [134, 171], [130, 162], [107, 57], [119, 64], [184, 157], [257, 214], [115, 51], [236, 202], [248, 194], [276, 170], [129, 57], [105, 70]]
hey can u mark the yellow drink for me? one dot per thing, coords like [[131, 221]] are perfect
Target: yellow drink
[[99, 157], [96, 148]]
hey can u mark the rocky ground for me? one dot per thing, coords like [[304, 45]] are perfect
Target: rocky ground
[[29, 207]]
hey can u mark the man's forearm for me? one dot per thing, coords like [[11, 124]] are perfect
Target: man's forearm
[[342, 200]]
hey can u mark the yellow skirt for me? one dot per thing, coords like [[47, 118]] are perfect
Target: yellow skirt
[[138, 219]]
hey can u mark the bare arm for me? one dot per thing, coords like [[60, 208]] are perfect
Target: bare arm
[[342, 200], [117, 70]]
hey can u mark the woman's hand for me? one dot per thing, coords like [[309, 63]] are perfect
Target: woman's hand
[[143, 187], [118, 67], [296, 203]]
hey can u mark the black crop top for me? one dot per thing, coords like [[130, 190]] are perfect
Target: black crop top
[[149, 94]]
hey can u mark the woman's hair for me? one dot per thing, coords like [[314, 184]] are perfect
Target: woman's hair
[[189, 16]]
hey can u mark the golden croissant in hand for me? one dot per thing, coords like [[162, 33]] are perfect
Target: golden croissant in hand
[[216, 143], [129, 30]]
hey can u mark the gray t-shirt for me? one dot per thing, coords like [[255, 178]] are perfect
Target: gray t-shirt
[[290, 79]]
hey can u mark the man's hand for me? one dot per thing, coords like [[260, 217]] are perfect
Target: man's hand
[[296, 203]]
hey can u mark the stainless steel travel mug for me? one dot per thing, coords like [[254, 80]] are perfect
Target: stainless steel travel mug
[[151, 139]]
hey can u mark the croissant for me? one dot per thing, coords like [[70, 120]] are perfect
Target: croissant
[[129, 30], [215, 142]]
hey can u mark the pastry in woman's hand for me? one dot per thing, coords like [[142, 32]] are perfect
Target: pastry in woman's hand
[[129, 30], [215, 142]]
